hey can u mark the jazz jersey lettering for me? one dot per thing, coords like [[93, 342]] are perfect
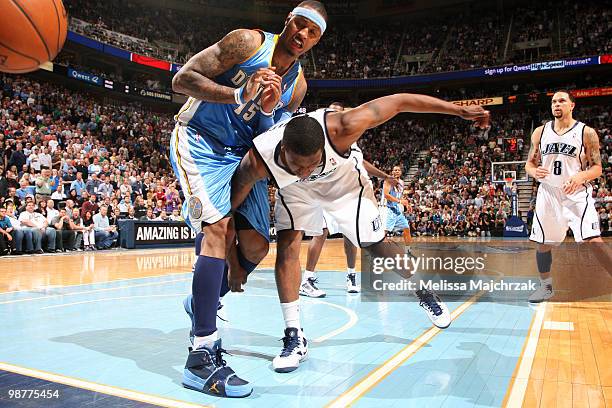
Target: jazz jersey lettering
[[563, 155]]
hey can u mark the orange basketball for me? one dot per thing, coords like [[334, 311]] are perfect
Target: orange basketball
[[31, 32]]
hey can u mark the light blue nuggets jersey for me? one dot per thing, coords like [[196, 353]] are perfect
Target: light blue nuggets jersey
[[234, 125], [396, 192]]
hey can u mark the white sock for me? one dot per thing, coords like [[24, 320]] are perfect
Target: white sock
[[291, 314], [547, 281], [350, 271], [207, 341], [309, 274]]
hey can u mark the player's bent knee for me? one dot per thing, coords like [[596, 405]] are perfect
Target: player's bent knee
[[256, 250]]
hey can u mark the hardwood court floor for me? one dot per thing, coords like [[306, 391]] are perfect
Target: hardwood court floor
[[558, 354]]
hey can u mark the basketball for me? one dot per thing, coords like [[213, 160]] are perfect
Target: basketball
[[32, 32]]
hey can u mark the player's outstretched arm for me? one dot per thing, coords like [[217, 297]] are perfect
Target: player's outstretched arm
[[250, 171], [532, 166], [348, 126], [374, 171], [195, 78], [593, 156]]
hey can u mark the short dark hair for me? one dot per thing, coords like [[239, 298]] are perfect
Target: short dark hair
[[304, 136], [315, 5], [571, 97]]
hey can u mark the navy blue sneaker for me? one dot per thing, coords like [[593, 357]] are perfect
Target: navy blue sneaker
[[206, 371], [188, 305]]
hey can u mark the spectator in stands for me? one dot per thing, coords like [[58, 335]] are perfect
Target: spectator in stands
[[17, 158], [105, 234], [51, 212], [6, 233], [176, 216], [43, 186], [149, 215], [92, 184], [90, 205], [39, 228], [58, 194], [22, 237], [3, 183], [89, 237], [65, 235]]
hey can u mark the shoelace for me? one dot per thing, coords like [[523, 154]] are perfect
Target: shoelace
[[219, 361], [289, 344], [351, 277], [313, 282], [427, 299]]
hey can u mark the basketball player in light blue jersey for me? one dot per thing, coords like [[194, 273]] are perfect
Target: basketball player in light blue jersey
[[393, 200], [237, 88]]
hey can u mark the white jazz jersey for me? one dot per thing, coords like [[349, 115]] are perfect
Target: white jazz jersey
[[338, 191], [564, 156]]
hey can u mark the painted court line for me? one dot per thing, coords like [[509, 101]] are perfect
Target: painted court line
[[519, 387], [353, 319], [552, 325], [374, 377], [115, 298], [85, 292], [101, 388]]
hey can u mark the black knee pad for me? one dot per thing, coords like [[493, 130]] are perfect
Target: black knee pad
[[544, 260]]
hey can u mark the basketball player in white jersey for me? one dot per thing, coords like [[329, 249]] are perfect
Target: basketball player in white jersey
[[315, 162], [564, 157], [309, 286]]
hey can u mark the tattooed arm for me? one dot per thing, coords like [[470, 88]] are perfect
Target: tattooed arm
[[532, 167], [591, 150], [195, 78]]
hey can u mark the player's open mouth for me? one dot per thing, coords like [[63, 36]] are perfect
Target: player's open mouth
[[297, 43]]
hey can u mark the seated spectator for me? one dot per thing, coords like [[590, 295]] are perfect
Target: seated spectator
[[149, 215], [22, 237], [40, 229], [88, 224], [105, 234], [176, 216], [6, 233], [65, 235], [50, 211]]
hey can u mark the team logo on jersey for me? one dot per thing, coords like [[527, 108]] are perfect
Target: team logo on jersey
[[560, 148], [195, 207], [595, 225], [333, 161], [376, 224]]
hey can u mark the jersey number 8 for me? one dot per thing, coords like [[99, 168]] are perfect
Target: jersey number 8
[[557, 168]]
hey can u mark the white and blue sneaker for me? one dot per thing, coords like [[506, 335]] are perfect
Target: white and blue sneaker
[[206, 371], [436, 309], [295, 350], [351, 284], [309, 288]]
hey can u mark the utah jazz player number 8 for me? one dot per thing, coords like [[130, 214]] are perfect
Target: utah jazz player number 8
[[32, 32]]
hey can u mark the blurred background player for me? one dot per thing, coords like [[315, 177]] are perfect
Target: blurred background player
[[564, 157], [237, 88], [393, 205]]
